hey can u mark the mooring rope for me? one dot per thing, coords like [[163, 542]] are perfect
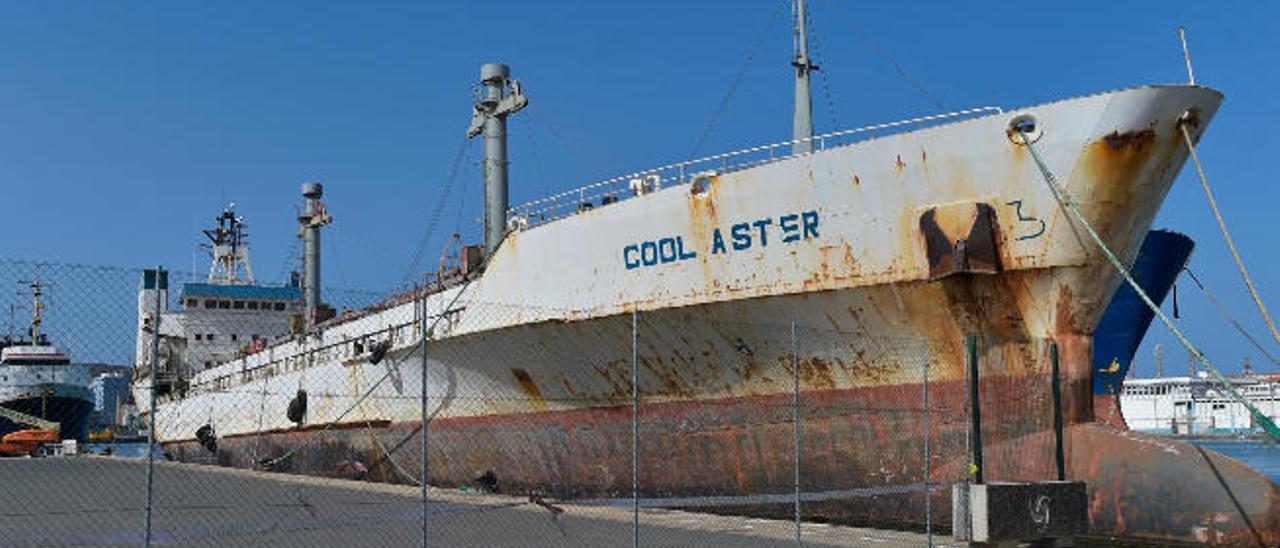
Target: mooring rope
[[1067, 203], [1222, 310], [1235, 254]]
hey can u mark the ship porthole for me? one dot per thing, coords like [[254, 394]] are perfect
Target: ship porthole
[[1024, 128]]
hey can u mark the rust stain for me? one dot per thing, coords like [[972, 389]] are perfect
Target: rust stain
[[817, 374], [1064, 320], [898, 164], [1136, 138], [527, 385], [856, 180], [1121, 163]]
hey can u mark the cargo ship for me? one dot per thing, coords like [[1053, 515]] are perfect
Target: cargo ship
[[39, 384], [928, 230]]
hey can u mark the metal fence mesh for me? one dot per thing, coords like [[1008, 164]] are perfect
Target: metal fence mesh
[[672, 427]]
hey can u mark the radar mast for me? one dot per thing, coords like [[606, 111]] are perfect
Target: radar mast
[[229, 244]]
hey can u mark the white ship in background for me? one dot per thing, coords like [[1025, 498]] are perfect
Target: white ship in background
[[38, 380], [1187, 406], [926, 230]]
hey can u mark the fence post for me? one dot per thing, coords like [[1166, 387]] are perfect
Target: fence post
[[1059, 455], [928, 485], [795, 419], [151, 418], [422, 473], [971, 345], [635, 430]]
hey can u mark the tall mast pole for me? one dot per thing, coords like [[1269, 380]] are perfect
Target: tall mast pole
[[36, 305], [802, 128], [499, 98]]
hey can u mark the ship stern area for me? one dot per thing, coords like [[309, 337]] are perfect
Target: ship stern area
[[1138, 485]]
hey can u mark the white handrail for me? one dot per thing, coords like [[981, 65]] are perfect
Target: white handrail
[[547, 209]]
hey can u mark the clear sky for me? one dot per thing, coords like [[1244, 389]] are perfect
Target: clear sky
[[125, 127]]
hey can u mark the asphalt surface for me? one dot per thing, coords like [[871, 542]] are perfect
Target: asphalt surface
[[100, 501]]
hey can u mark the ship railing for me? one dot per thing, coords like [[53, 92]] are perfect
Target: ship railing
[[616, 189]]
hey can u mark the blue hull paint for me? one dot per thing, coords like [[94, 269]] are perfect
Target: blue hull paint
[[1124, 323], [70, 406]]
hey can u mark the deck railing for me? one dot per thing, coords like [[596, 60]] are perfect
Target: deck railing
[[610, 191]]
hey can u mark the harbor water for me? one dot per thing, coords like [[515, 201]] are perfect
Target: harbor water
[[1259, 454]]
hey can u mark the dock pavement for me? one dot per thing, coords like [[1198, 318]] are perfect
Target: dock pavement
[[100, 501]]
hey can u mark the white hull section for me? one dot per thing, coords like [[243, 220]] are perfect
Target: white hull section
[[832, 240]]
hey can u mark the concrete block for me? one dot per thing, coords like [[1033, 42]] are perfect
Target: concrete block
[[1008, 511]]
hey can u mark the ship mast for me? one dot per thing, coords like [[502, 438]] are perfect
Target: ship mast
[[36, 306], [230, 248], [802, 127], [500, 98]]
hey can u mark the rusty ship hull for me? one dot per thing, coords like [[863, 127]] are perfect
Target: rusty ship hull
[[881, 256]]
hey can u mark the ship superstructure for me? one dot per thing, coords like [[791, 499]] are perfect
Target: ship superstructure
[[219, 320], [928, 229]]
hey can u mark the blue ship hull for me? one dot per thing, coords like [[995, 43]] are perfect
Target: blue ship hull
[[1124, 323], [70, 406]]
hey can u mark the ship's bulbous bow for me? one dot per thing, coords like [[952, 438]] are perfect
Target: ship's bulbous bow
[[1144, 485]]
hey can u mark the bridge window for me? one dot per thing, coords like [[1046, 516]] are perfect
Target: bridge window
[[238, 305], [233, 337], [210, 303], [192, 303], [224, 304], [253, 305], [199, 336], [279, 306]]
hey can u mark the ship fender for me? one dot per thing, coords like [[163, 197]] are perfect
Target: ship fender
[[208, 438], [960, 238], [297, 407]]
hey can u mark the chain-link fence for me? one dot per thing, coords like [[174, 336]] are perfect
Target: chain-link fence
[[227, 415]]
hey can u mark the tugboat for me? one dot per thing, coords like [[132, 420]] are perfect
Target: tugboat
[[39, 386]]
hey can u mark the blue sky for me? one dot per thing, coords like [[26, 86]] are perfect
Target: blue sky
[[125, 127]]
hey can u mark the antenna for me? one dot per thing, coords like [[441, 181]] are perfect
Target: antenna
[[1159, 352], [228, 243], [1186, 54]]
